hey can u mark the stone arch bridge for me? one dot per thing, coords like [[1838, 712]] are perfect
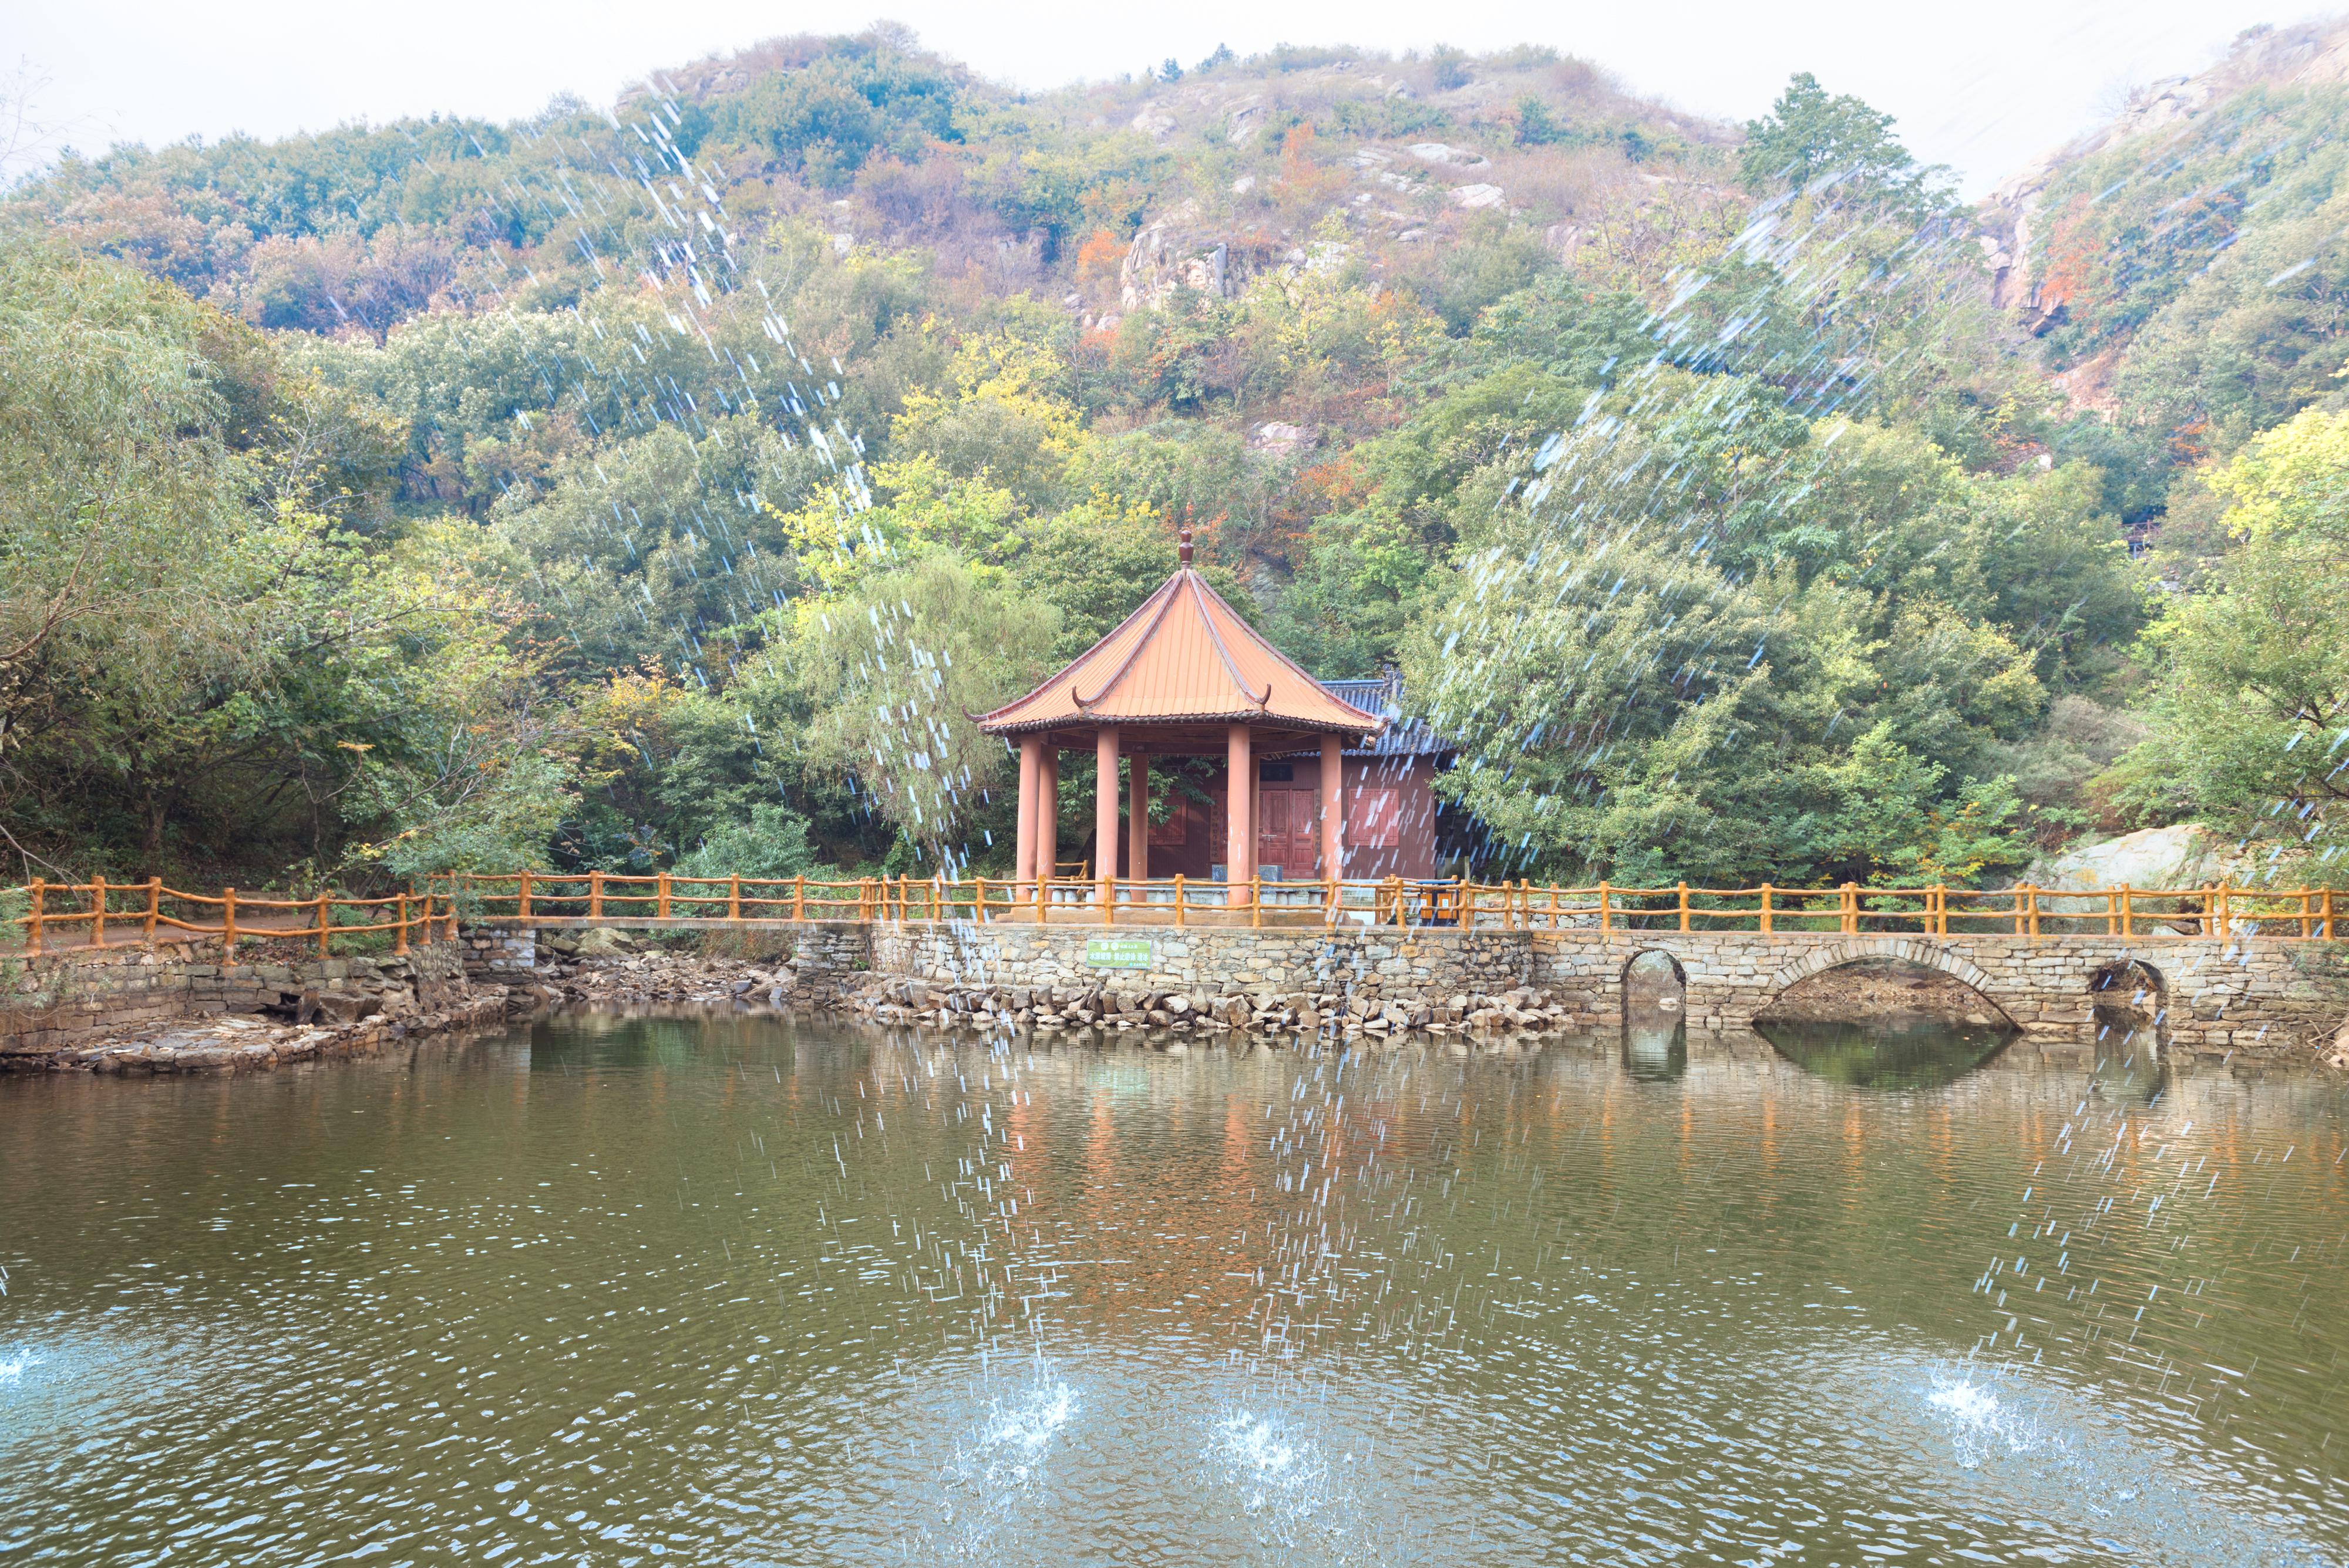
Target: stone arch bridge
[[2200, 990]]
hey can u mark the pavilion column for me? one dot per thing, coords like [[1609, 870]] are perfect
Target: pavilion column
[[1048, 815], [1333, 807], [1137, 826], [1032, 777], [1104, 806], [1239, 813]]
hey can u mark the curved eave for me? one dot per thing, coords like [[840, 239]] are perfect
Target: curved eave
[[1256, 718], [1064, 709]]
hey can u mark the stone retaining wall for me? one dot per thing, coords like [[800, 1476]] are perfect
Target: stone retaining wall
[[1406, 963], [63, 999], [814, 949]]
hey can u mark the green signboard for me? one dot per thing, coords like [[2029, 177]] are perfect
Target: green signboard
[[1118, 953]]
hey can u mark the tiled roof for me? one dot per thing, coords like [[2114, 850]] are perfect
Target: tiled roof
[[1403, 737], [1185, 655]]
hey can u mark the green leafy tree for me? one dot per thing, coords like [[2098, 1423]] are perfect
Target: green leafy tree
[[901, 666], [1810, 132], [2252, 718]]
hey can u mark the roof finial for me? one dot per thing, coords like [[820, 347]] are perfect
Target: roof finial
[[1183, 549]]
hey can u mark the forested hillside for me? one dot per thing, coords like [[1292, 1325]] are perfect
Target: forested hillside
[[666, 484]]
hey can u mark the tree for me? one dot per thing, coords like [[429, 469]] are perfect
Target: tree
[[899, 667], [2253, 718], [1810, 133]]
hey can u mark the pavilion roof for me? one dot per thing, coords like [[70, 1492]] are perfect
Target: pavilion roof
[[1184, 657]]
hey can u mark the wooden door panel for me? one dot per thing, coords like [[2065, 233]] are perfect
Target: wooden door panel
[[1287, 831]]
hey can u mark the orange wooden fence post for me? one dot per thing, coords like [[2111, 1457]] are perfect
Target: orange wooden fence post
[[521, 896], [1178, 897], [1109, 900], [1941, 910], [1765, 908], [154, 905], [1685, 909], [2032, 895], [228, 925], [799, 898], [97, 911], [400, 944], [734, 898], [660, 896], [325, 927], [1848, 907], [39, 891], [1606, 913], [2129, 911], [594, 895]]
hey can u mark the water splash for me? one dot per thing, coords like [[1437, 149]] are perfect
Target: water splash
[[1981, 1422], [1021, 1431]]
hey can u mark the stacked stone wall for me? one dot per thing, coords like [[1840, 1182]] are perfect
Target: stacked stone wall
[[818, 953], [61, 1000], [1396, 964]]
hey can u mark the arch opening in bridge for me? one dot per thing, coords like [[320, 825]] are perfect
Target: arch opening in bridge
[[1654, 988], [1850, 984], [2129, 1005]]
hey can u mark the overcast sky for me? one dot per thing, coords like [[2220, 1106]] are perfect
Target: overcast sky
[[1981, 88]]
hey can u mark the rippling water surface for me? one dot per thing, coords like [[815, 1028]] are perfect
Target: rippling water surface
[[738, 1291]]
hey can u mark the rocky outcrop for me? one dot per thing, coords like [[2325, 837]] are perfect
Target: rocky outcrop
[[1443, 154], [2311, 54], [1279, 440], [1179, 250], [2183, 856]]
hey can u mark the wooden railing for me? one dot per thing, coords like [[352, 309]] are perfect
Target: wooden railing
[[50, 917], [2307, 914], [44, 917]]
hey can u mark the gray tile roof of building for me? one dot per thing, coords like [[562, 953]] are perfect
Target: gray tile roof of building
[[1403, 737]]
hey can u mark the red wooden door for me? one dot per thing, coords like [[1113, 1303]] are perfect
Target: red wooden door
[[1287, 831]]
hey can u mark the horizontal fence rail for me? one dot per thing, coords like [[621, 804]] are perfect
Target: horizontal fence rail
[[53, 916], [48, 917], [2300, 913]]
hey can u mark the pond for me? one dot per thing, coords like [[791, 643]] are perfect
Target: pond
[[737, 1290]]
